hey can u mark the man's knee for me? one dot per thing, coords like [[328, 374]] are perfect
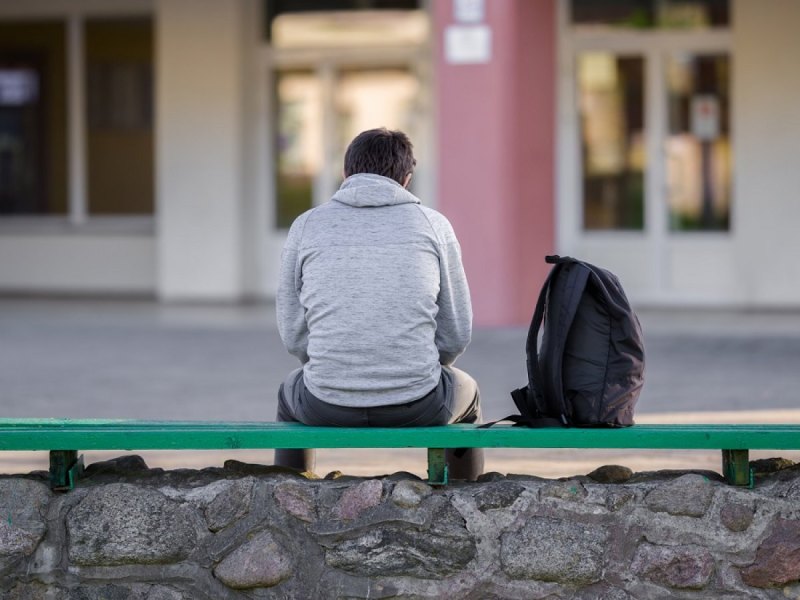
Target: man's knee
[[466, 397], [465, 386]]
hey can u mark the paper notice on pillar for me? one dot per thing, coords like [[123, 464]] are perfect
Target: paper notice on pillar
[[468, 44], [705, 117], [469, 11]]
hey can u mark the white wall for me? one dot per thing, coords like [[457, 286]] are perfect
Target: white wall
[[202, 195], [52, 262], [766, 80]]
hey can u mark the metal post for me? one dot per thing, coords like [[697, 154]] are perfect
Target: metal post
[[736, 466], [61, 461], [437, 466]]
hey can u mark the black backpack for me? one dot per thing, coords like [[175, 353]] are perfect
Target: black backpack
[[589, 369]]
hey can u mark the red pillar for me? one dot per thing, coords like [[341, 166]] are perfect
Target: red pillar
[[496, 155]]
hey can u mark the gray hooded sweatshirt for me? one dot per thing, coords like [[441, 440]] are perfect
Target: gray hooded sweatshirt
[[372, 296]]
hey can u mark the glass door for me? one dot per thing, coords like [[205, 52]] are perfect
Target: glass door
[[645, 149], [696, 141], [698, 144], [318, 113]]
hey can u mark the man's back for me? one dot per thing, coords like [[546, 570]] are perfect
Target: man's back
[[377, 279], [374, 302]]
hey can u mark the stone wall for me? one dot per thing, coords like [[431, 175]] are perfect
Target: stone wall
[[244, 531]]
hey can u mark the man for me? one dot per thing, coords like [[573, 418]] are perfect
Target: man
[[374, 302]]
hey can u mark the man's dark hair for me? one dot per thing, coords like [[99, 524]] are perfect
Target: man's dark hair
[[380, 151]]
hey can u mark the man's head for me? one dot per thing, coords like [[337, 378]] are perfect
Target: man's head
[[383, 152]]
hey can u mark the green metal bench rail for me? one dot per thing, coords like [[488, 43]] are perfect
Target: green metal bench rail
[[63, 437]]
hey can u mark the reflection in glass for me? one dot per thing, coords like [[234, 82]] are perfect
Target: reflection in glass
[[20, 147], [299, 143], [611, 90], [362, 99], [18, 87], [366, 99], [648, 14], [698, 146], [119, 95]]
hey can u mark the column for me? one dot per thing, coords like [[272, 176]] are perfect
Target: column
[[200, 147], [496, 147]]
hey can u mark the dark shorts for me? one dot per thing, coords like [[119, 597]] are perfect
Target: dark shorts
[[456, 399]]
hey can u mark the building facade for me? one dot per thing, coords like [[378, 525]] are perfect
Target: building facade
[[161, 147]]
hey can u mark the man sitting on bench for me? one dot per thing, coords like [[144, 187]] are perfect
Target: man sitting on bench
[[374, 302]]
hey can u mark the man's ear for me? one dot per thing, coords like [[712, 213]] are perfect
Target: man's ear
[[407, 181]]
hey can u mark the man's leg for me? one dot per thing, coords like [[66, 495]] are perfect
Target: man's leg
[[463, 398], [289, 399]]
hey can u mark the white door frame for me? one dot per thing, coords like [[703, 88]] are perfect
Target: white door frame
[[653, 46]]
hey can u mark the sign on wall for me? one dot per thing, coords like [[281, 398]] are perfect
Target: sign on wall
[[469, 42], [705, 117]]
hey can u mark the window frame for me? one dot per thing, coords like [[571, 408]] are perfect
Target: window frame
[[77, 218], [327, 63]]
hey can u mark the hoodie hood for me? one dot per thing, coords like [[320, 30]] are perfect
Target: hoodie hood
[[368, 189]]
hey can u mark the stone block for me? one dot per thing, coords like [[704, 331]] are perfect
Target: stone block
[[261, 562], [297, 500], [230, 504], [14, 540], [23, 504], [571, 490], [410, 493], [440, 548], [122, 465], [355, 500], [683, 567], [736, 517], [611, 474], [120, 591], [392, 550], [770, 465], [122, 524], [689, 495], [31, 591], [498, 495], [777, 558], [554, 550]]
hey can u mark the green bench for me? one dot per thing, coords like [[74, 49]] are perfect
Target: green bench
[[63, 438]]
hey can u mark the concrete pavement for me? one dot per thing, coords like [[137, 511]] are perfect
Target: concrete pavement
[[138, 359]]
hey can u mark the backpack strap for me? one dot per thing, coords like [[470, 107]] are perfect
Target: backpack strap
[[530, 399], [520, 421]]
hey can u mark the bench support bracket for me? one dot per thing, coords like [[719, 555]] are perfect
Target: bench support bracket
[[65, 469], [736, 467], [437, 466]]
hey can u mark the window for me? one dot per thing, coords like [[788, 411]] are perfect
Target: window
[[340, 67], [44, 99], [698, 143], [611, 95], [299, 143]]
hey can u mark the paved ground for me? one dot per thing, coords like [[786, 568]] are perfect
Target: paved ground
[[127, 359]]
